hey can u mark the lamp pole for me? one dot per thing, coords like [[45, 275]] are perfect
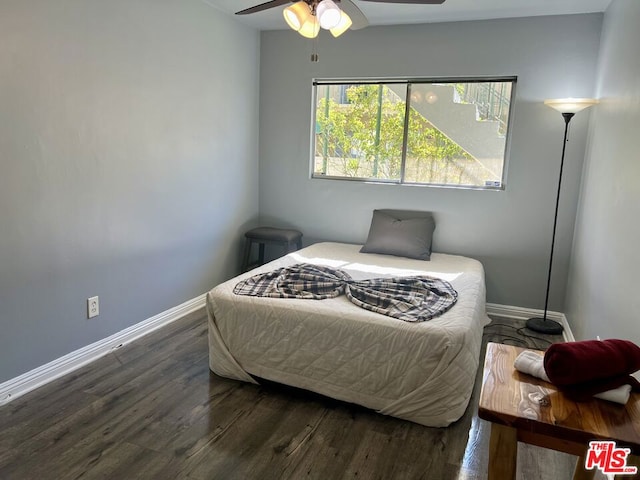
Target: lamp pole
[[568, 107], [543, 325]]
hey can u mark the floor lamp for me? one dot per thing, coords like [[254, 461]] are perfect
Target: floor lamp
[[568, 107]]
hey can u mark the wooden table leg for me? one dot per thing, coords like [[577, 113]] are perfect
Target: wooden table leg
[[503, 452], [580, 473]]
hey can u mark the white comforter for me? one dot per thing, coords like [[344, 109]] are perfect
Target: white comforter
[[423, 372]]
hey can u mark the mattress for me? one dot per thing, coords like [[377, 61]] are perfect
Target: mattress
[[422, 372]]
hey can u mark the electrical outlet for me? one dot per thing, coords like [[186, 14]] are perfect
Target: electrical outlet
[[93, 307]]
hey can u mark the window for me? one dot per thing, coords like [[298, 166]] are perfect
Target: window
[[450, 133]]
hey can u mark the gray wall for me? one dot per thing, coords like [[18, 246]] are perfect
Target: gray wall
[[509, 231], [603, 283], [128, 164]]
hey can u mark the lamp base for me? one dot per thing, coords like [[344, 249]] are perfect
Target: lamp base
[[542, 325]]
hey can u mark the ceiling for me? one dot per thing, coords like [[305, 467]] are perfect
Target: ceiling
[[451, 10]]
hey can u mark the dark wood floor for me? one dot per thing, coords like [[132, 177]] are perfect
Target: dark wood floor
[[152, 409]]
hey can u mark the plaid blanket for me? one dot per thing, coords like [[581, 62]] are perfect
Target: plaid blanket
[[411, 299]]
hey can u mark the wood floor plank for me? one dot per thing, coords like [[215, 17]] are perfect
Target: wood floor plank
[[152, 409], [107, 417], [67, 442], [107, 372], [234, 444], [26, 420], [205, 422], [185, 347], [288, 442], [332, 446]]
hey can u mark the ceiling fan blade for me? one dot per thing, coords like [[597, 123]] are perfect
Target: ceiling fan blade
[[416, 2], [357, 17], [263, 6]]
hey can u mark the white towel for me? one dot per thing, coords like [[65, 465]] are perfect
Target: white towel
[[532, 364]]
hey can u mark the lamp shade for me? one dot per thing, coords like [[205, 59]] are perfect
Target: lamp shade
[[343, 25], [310, 28], [296, 14], [328, 14], [570, 105]]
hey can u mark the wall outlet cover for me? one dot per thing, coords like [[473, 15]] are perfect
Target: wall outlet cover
[[93, 307]]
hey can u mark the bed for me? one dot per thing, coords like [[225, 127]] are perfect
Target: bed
[[422, 372]]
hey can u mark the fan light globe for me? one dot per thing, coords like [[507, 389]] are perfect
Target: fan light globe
[[570, 105], [310, 27], [328, 14], [342, 26], [296, 14]]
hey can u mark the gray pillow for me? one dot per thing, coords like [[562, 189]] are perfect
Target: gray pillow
[[408, 237]]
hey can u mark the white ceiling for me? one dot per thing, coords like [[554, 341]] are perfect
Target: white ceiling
[[451, 10]]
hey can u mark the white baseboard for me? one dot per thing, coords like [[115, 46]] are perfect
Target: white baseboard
[[525, 313], [37, 377]]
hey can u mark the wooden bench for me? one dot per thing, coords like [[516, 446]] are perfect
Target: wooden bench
[[525, 409]]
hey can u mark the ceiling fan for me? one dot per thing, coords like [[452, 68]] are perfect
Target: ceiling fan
[[307, 16]]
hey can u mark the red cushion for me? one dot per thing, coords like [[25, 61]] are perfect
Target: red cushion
[[574, 363]]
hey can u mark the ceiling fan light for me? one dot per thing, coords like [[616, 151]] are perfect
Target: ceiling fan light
[[328, 14], [310, 27], [344, 25], [296, 14]]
